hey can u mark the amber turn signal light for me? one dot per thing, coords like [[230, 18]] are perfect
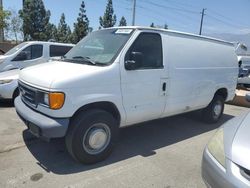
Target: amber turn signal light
[[56, 100]]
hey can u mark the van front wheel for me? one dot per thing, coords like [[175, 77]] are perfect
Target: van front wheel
[[213, 112], [91, 136]]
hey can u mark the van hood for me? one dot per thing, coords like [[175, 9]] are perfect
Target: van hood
[[10, 75], [57, 74], [241, 144]]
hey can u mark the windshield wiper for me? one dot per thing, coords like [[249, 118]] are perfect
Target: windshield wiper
[[85, 59]]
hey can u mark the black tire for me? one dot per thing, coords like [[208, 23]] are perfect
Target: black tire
[[209, 115], [78, 137]]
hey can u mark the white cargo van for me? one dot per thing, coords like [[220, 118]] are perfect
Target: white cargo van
[[122, 76], [32, 53]]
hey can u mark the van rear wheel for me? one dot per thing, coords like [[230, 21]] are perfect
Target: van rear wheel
[[92, 136], [213, 112]]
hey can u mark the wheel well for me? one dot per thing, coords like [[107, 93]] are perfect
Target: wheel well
[[240, 63], [106, 106], [222, 92], [16, 92]]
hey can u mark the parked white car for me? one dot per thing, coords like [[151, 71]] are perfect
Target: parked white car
[[244, 61], [9, 84], [118, 77], [244, 81], [244, 71], [32, 53]]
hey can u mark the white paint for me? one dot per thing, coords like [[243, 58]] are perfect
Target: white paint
[[7, 63], [194, 69], [124, 31]]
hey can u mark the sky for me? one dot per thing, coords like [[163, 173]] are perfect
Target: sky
[[221, 16]]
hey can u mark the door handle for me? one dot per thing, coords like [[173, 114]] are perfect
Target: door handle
[[164, 86]]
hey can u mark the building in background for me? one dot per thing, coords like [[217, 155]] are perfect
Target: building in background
[[6, 46]]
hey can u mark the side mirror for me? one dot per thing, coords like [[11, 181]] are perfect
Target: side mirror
[[21, 56], [135, 61], [248, 97]]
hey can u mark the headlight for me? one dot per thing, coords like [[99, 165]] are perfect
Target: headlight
[[53, 100], [216, 147], [5, 81], [45, 99]]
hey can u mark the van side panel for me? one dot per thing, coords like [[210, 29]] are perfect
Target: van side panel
[[197, 69]]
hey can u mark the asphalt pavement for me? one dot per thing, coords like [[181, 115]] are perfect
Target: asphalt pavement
[[164, 153]]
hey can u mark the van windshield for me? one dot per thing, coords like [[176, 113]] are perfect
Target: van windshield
[[100, 47], [15, 49]]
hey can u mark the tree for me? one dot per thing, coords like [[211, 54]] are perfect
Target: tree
[[69, 35], [14, 28], [4, 17], [152, 24], [90, 29], [63, 30], [81, 27], [109, 18], [165, 26], [51, 32], [35, 20], [123, 21]]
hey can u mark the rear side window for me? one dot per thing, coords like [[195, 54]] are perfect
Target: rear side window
[[59, 51], [150, 46]]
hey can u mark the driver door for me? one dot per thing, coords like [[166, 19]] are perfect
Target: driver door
[[144, 85]]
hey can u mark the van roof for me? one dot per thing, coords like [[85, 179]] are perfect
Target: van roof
[[174, 32], [44, 42]]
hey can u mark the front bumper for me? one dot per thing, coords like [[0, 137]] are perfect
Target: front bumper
[[7, 90], [41, 125], [214, 175]]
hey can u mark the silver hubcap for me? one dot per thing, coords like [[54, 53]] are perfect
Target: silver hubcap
[[96, 138], [217, 109]]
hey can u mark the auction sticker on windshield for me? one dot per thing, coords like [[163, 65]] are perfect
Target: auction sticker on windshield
[[123, 31]]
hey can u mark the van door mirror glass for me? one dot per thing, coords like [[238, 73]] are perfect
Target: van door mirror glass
[[135, 61], [21, 56]]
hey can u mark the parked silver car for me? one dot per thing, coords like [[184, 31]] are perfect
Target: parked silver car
[[226, 158]]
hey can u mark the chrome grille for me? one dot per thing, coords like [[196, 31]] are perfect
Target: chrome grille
[[28, 94]]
